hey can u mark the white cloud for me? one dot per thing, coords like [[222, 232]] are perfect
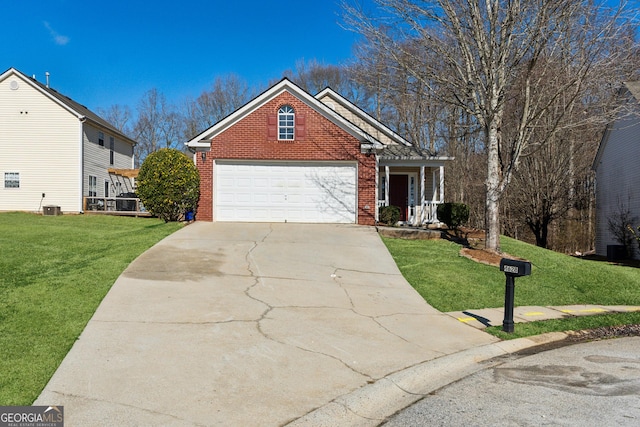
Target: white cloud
[[58, 39]]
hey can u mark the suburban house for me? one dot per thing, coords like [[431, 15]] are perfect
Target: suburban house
[[288, 156], [55, 152], [617, 167]]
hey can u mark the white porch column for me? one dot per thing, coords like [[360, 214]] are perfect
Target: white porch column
[[442, 184], [386, 185], [422, 196], [434, 185]]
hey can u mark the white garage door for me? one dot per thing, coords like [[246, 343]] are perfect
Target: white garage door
[[285, 192]]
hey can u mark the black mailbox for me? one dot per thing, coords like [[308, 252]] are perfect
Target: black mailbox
[[515, 267], [512, 268]]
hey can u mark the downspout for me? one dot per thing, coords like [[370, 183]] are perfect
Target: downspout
[[83, 119], [377, 185]]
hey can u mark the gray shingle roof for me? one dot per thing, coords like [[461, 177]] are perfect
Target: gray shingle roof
[[403, 152]]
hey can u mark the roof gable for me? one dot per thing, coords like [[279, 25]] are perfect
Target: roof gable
[[75, 108], [334, 96], [285, 85]]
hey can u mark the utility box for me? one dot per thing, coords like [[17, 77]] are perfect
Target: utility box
[[515, 267], [616, 252], [51, 211]]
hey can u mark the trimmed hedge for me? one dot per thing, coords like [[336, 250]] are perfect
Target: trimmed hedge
[[168, 184]]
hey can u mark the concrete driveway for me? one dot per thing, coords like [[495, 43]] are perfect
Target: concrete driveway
[[250, 324]]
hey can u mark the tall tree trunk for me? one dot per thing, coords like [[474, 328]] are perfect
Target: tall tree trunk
[[492, 201]]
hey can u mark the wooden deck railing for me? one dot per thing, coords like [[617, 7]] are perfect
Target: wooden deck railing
[[130, 206]]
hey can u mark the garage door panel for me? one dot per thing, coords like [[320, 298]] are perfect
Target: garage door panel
[[285, 192]]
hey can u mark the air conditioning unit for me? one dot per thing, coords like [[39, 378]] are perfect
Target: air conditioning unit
[[51, 210]]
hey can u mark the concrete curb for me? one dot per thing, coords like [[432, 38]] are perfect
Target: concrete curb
[[372, 404]]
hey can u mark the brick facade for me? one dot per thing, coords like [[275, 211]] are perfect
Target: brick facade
[[248, 139]]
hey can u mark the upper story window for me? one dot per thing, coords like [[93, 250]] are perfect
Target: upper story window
[[101, 139], [112, 146], [12, 180], [286, 123]]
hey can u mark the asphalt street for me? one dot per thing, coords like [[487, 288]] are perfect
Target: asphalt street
[[594, 383]]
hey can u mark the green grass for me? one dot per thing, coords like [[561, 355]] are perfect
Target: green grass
[[55, 273], [568, 324], [450, 282]]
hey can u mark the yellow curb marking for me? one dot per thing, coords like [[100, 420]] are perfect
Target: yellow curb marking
[[585, 310], [534, 313], [633, 309], [466, 319]]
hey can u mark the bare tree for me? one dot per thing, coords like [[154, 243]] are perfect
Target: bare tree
[[483, 50], [314, 76], [225, 96], [119, 116], [158, 125]]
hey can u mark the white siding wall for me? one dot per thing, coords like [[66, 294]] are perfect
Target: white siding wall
[[38, 139], [617, 179], [97, 161]]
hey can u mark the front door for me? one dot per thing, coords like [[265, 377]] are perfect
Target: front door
[[399, 193]]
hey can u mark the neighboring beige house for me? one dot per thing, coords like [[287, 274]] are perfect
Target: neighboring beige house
[[617, 166], [54, 151]]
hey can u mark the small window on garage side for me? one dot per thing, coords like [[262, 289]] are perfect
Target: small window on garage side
[[12, 180], [286, 123]]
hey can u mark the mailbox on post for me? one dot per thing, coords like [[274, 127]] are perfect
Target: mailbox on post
[[512, 268], [515, 267]]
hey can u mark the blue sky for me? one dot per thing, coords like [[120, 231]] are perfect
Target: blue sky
[[102, 53]]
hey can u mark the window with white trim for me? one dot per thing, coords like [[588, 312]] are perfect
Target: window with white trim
[[12, 180], [286, 123], [101, 139], [93, 186]]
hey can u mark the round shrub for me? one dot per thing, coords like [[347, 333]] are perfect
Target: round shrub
[[453, 214], [389, 215], [168, 184]]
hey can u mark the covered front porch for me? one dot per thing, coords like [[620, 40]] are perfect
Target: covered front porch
[[413, 180]]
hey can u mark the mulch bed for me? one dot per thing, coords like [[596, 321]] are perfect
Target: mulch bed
[[472, 241]]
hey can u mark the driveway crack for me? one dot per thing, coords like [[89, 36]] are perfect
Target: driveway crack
[[336, 279]]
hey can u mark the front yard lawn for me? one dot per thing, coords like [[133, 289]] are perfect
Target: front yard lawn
[[450, 282], [55, 272]]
